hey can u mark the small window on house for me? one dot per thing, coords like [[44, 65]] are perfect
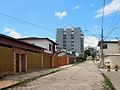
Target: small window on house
[[104, 46], [50, 47]]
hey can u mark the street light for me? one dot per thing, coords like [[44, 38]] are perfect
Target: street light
[[92, 33]]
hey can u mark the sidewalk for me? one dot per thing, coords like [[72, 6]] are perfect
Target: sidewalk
[[12, 80], [114, 77]]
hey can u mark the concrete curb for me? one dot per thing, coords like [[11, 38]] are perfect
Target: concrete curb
[[113, 88]]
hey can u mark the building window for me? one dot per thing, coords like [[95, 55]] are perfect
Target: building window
[[72, 42], [72, 48], [72, 37], [72, 45], [64, 41], [64, 32], [64, 36], [104, 46], [50, 47], [64, 46], [72, 32]]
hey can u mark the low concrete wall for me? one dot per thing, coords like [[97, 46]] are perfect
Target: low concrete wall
[[114, 60]]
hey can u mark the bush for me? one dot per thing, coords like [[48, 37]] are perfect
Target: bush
[[81, 58]]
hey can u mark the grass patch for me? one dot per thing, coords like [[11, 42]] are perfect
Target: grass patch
[[107, 83]]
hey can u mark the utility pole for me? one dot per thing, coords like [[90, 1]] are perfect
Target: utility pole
[[102, 54]]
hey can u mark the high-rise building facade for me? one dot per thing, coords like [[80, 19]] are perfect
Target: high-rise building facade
[[70, 39]]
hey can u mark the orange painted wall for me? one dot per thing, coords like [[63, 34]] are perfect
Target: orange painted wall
[[6, 60], [47, 61], [33, 61], [60, 61]]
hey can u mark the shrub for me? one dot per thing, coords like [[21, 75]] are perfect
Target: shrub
[[81, 58]]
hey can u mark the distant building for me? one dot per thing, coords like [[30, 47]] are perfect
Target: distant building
[[46, 43], [70, 40]]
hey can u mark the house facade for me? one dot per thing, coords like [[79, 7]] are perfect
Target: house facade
[[18, 56], [46, 43], [111, 50]]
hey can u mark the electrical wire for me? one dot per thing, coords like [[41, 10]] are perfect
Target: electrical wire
[[114, 25], [111, 31], [26, 22], [114, 17]]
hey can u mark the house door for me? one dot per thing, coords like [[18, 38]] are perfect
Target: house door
[[17, 62], [23, 63]]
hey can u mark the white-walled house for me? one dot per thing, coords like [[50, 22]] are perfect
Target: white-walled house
[[111, 51], [46, 43]]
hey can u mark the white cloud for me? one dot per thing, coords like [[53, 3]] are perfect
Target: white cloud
[[61, 15], [114, 40], [11, 32], [90, 41], [76, 8], [109, 8]]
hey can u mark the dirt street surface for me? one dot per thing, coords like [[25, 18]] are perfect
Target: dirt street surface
[[84, 76]]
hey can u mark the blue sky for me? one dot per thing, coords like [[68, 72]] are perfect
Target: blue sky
[[52, 14]]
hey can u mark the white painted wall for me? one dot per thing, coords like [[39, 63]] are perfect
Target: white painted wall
[[112, 48], [111, 54], [41, 43], [114, 60]]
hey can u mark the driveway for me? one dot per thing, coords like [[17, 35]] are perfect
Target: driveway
[[84, 76]]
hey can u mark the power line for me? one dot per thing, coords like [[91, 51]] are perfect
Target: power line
[[111, 31], [26, 22], [112, 23], [114, 17]]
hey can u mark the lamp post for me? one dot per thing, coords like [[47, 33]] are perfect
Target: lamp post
[[92, 33]]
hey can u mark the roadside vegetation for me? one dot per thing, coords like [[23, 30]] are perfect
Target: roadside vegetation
[[107, 83], [89, 52], [83, 57]]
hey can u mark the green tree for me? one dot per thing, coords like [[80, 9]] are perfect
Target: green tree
[[87, 53]]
